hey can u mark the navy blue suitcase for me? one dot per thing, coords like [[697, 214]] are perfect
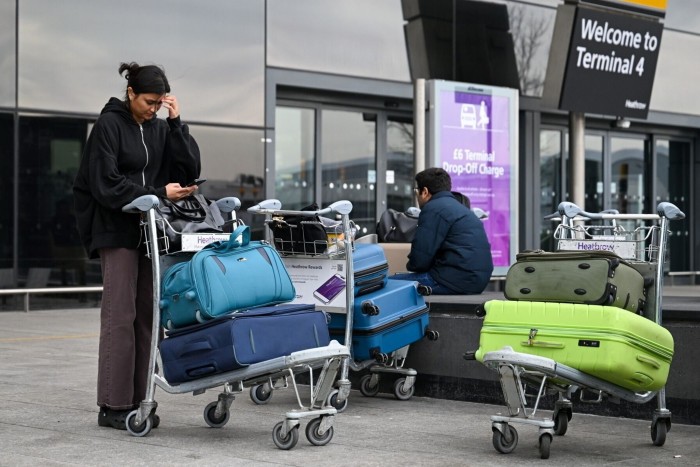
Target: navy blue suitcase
[[384, 320], [241, 339], [370, 266]]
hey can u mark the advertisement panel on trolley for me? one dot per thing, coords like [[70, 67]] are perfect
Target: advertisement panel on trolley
[[473, 135]]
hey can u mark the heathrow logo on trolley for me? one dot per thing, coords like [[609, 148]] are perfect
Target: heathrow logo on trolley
[[624, 249]]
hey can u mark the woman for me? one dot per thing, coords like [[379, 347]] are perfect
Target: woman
[[129, 153]]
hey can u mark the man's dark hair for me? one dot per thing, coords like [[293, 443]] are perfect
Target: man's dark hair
[[434, 179]]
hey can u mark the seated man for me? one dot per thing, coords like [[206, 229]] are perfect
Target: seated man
[[450, 251]]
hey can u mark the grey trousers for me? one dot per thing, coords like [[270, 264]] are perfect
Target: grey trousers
[[125, 328]]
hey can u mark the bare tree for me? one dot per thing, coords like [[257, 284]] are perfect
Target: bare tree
[[528, 32]]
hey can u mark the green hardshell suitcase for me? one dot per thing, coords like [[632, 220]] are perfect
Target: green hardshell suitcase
[[589, 277], [606, 342]]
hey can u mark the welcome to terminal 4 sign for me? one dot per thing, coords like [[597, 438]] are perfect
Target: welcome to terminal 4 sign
[[602, 61]]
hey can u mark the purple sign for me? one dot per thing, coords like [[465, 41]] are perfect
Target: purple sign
[[475, 142]]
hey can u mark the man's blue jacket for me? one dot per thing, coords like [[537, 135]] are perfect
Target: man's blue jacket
[[451, 245]]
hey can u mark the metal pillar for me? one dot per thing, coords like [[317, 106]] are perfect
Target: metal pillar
[[419, 125], [577, 157]]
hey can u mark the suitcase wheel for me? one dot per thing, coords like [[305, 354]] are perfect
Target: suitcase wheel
[[424, 290], [370, 309], [380, 357], [432, 335]]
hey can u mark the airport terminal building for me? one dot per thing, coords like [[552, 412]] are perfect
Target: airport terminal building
[[313, 100]]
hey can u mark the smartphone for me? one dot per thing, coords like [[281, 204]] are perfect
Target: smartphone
[[330, 289], [197, 181]]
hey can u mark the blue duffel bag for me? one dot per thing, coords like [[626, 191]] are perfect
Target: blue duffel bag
[[222, 278]]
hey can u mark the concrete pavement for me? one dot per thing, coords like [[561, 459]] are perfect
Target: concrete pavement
[[48, 416]]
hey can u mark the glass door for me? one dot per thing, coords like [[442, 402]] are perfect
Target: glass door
[[628, 160], [295, 152], [672, 169], [399, 164], [349, 163]]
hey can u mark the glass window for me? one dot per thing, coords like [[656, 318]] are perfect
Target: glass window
[[550, 183], [673, 169], [233, 162], [295, 136], [627, 185], [682, 14], [212, 52], [532, 28], [358, 38], [6, 193], [49, 248], [674, 83], [7, 53], [349, 164], [400, 165]]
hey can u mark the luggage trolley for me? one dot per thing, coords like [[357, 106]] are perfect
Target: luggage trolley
[[319, 431], [336, 245], [645, 245]]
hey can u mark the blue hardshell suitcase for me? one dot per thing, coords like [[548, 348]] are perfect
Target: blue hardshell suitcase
[[370, 267], [241, 339], [221, 278], [384, 321]]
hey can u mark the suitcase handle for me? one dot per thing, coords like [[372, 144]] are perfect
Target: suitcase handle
[[196, 347], [649, 361], [242, 231], [549, 345]]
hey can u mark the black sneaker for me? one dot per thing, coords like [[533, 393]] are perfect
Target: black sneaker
[[112, 418]]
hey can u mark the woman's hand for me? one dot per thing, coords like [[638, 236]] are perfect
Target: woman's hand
[[170, 103], [176, 192]]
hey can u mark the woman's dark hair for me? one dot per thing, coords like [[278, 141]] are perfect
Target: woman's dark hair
[[144, 79], [434, 179]]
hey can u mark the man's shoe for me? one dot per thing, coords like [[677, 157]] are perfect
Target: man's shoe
[[112, 418]]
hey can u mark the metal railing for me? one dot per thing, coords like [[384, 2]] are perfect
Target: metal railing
[[47, 290]]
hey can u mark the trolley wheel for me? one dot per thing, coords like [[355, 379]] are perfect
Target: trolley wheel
[[365, 386], [333, 401], [260, 395], [505, 444], [138, 430], [658, 432], [198, 317], [314, 437], [285, 443], [400, 390], [424, 290], [211, 418], [169, 325], [544, 445], [561, 423]]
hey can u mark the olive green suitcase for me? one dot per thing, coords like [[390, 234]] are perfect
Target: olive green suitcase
[[606, 342], [589, 277]]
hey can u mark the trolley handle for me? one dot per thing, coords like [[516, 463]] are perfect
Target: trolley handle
[[572, 211], [670, 211], [272, 206], [229, 204], [142, 204]]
